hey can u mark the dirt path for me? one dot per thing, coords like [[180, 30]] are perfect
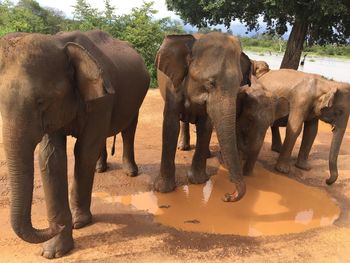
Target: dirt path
[[120, 234]]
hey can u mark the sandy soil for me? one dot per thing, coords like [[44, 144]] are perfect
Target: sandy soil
[[120, 234]]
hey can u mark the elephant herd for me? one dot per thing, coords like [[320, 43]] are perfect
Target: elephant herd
[[91, 86]]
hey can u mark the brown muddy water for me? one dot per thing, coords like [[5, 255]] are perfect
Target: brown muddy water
[[273, 205]]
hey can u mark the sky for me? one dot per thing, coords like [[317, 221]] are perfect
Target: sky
[[125, 6]]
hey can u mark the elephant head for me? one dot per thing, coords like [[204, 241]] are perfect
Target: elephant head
[[209, 70], [260, 68], [333, 107], [44, 80], [257, 109]]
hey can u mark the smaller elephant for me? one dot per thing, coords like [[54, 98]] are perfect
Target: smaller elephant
[[311, 97], [257, 109]]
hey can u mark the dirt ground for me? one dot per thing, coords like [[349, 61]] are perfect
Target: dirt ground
[[119, 234]]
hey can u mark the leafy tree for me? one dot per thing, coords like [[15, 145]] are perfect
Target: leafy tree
[[145, 34], [321, 21], [29, 16]]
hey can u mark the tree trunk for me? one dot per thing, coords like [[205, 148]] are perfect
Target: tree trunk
[[295, 45]]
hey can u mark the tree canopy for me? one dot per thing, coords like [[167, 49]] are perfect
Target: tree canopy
[[318, 21], [140, 28]]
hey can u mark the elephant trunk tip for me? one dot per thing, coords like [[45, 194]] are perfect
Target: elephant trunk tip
[[36, 236], [331, 180], [238, 194]]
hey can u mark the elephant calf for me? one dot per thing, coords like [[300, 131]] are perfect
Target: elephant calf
[[311, 97], [88, 85], [257, 110]]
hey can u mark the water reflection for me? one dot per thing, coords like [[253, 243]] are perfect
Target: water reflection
[[329, 67], [273, 205]]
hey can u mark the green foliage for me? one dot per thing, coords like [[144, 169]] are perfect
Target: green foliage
[[328, 20], [140, 28], [145, 34], [29, 16]]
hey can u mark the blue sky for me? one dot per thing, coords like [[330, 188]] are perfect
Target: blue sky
[[125, 6]]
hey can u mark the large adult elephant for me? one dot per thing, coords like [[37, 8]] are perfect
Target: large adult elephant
[[199, 78], [311, 97], [88, 85]]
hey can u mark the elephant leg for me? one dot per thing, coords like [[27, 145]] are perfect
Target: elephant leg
[[184, 141], [101, 165], [309, 135], [128, 135], [294, 126], [252, 156], [87, 150], [165, 182], [53, 167], [276, 139], [197, 174]]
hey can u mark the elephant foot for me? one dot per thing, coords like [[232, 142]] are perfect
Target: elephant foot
[[130, 169], [282, 167], [303, 165], [59, 245], [184, 146], [197, 177], [81, 218], [276, 148], [101, 167], [164, 185]]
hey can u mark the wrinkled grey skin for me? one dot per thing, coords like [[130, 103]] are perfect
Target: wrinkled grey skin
[[87, 85], [257, 109], [199, 78]]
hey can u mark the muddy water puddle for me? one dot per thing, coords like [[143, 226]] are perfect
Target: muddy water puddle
[[273, 205]]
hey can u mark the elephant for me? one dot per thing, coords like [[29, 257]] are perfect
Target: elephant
[[129, 165], [199, 78], [311, 98], [257, 110], [87, 85]]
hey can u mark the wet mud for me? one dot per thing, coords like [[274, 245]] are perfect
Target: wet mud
[[273, 205]]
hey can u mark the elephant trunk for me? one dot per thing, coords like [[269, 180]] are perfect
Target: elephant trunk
[[222, 111], [338, 134], [20, 162]]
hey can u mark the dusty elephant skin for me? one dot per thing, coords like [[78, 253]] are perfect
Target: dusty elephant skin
[[199, 78], [311, 97], [257, 109], [88, 85]]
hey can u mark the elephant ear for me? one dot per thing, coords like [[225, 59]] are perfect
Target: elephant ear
[[325, 101], [91, 80], [241, 98], [247, 69], [173, 57]]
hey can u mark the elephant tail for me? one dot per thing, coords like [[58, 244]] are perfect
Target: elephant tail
[[113, 146]]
